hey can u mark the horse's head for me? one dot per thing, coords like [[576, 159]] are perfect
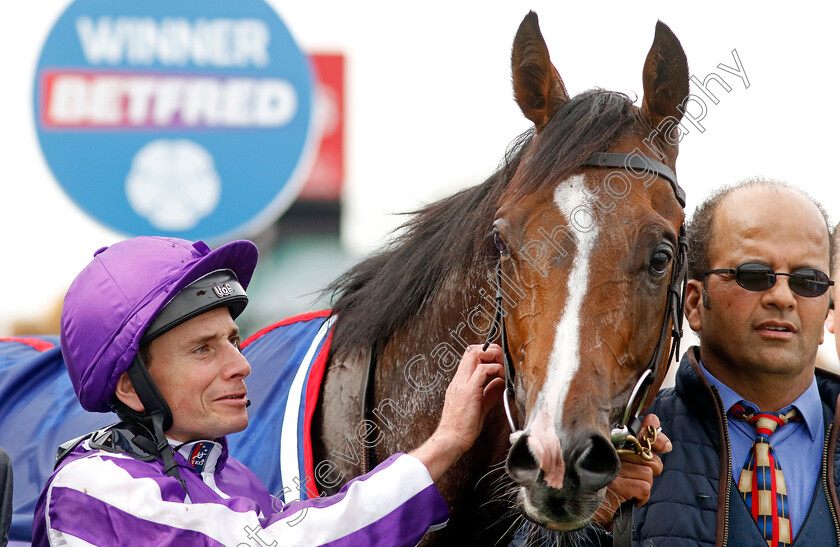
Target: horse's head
[[587, 254]]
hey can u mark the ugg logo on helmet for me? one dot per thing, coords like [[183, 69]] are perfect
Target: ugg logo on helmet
[[223, 290]]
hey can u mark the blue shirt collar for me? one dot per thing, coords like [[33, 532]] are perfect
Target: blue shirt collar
[[808, 404]]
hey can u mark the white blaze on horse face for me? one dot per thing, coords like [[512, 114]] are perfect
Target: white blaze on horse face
[[564, 360]]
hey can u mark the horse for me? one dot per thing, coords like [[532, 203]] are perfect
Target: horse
[[581, 227]]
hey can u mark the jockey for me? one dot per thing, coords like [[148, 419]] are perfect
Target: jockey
[[147, 331]]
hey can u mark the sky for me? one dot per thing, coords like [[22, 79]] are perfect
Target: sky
[[430, 108]]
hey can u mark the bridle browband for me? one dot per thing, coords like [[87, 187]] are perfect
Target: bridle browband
[[629, 423], [635, 163]]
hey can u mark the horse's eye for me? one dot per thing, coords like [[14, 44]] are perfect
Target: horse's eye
[[500, 243], [659, 262]]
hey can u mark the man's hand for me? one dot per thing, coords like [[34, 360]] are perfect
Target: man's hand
[[476, 387], [635, 479]]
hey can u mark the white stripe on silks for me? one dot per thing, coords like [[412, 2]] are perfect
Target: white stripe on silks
[[63, 539], [564, 360], [364, 503], [100, 477], [289, 469], [56, 537]]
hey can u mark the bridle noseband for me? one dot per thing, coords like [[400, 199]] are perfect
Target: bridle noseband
[[629, 423]]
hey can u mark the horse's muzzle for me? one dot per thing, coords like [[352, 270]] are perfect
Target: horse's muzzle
[[562, 492]]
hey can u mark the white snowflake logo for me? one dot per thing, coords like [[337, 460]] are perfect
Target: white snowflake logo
[[173, 184]]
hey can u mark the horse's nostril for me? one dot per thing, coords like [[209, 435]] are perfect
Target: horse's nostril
[[521, 465], [597, 464]]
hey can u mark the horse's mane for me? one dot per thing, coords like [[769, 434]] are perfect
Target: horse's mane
[[451, 237]]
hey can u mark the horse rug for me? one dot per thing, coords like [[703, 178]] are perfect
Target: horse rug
[[298, 347], [39, 411]]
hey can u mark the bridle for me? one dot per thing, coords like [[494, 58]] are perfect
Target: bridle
[[629, 423], [628, 426]]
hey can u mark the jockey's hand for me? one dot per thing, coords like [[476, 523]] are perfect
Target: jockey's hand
[[476, 388], [635, 479]]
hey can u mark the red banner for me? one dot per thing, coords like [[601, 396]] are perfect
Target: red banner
[[327, 173]]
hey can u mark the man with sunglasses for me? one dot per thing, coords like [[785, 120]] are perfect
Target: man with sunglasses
[[757, 298]]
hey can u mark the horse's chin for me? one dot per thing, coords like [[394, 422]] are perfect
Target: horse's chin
[[558, 510]]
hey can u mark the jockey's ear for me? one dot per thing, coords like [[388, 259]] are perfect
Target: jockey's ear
[[126, 394]]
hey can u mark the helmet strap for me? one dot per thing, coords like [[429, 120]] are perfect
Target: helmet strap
[[157, 415], [148, 393], [162, 446]]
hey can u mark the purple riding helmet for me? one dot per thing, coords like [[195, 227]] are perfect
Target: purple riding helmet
[[131, 293]]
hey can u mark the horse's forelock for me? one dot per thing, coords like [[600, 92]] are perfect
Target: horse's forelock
[[588, 123]]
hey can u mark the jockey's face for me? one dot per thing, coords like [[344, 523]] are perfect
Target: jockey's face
[[199, 370]]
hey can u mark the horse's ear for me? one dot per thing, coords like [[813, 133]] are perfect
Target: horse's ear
[[537, 86], [665, 77]]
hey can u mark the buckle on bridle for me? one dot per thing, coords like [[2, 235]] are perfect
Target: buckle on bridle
[[626, 438], [629, 425], [643, 447]]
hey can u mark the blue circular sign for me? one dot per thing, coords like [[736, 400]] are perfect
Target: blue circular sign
[[190, 119]]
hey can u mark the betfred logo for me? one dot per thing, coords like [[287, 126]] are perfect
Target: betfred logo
[[105, 100], [190, 119]]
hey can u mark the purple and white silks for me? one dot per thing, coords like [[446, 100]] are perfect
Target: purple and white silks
[[101, 498]]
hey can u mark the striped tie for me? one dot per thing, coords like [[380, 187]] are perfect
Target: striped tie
[[762, 484]]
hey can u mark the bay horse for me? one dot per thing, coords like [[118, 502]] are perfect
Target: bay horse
[[572, 248], [586, 254]]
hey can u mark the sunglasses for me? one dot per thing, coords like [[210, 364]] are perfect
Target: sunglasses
[[757, 277]]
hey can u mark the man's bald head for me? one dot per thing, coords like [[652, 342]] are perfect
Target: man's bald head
[[702, 226]]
